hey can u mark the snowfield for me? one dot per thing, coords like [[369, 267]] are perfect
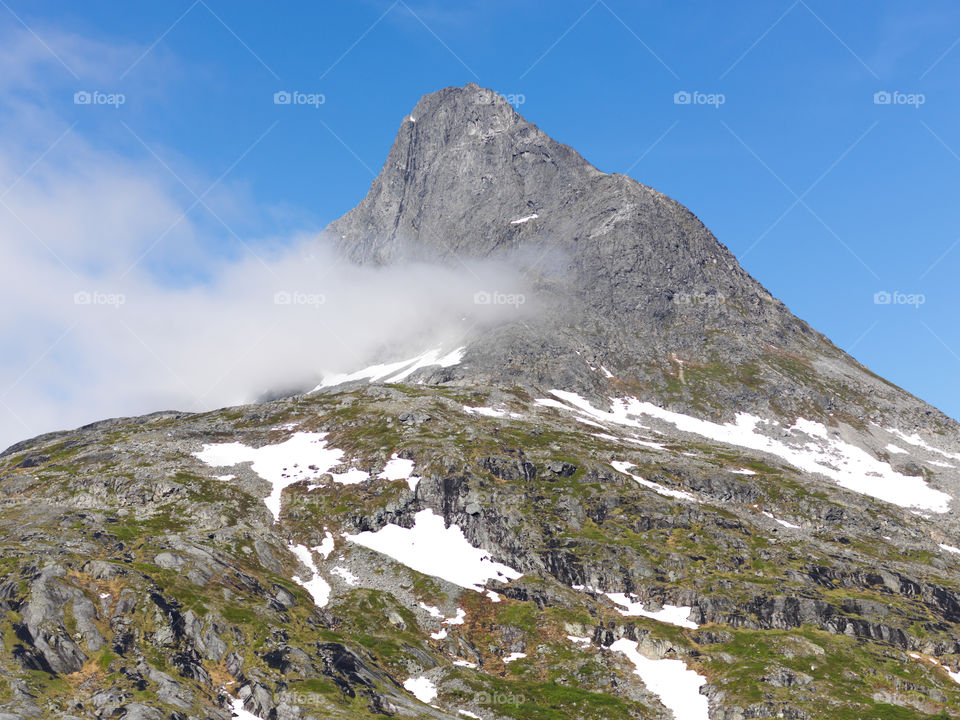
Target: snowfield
[[807, 446], [432, 548], [394, 372], [677, 687], [304, 456], [673, 614]]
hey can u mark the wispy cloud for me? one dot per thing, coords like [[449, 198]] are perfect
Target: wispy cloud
[[123, 295]]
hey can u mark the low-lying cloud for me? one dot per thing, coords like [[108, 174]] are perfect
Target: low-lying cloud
[[84, 345], [127, 288]]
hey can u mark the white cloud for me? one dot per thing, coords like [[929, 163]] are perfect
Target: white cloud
[[116, 300]]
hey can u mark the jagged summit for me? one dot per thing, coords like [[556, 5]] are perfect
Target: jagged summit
[[468, 175], [636, 282], [487, 542]]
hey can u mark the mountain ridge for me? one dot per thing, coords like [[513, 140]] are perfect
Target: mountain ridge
[[644, 283]]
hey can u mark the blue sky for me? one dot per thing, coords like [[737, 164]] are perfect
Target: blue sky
[[826, 195]]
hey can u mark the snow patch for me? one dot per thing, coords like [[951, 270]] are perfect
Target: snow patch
[[304, 456], [673, 614], [523, 220], [806, 445], [677, 687], [955, 676], [236, 705], [421, 688], [465, 663], [635, 441], [950, 548], [348, 577], [896, 450], [579, 640], [467, 713], [782, 522], [917, 441], [624, 467], [397, 468], [490, 412], [432, 548], [394, 372], [326, 545], [458, 620], [743, 471], [432, 611], [514, 656], [318, 588]]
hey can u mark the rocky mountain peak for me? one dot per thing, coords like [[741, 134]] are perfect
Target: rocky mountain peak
[[635, 281], [468, 176], [464, 165]]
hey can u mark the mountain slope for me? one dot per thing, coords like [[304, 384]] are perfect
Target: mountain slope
[[626, 506], [633, 280]]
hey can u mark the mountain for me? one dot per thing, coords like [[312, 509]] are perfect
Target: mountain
[[633, 279], [656, 494]]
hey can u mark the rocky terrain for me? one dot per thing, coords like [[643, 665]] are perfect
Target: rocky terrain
[[665, 497]]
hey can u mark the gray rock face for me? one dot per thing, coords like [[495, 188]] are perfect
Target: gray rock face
[[629, 278]]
